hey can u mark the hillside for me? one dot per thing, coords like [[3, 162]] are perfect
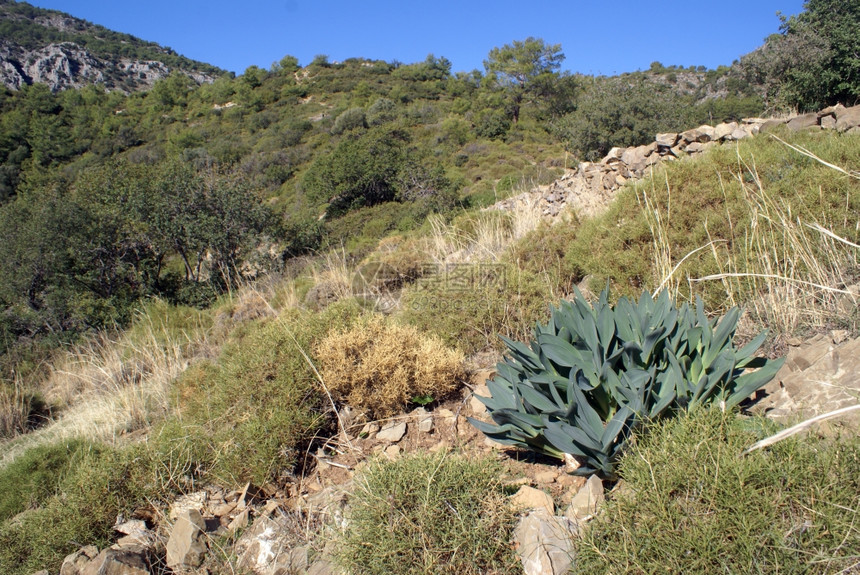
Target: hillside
[[238, 316], [61, 51]]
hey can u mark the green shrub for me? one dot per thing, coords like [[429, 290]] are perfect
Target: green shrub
[[33, 478], [693, 504], [470, 305], [594, 374], [351, 119], [97, 486], [250, 413], [697, 207], [429, 513], [542, 252]]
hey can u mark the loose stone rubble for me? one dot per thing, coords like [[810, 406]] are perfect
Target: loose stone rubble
[[589, 188]]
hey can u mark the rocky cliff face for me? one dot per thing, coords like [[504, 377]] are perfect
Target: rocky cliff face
[[49, 47], [67, 65]]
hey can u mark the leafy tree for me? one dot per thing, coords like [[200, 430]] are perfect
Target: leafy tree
[[620, 111], [517, 67], [359, 172], [815, 59]]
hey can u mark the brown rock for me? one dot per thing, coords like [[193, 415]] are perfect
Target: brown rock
[[240, 521], [701, 134], [548, 476], [475, 404], [614, 155], [835, 111], [223, 509], [738, 134], [73, 563], [195, 501], [828, 122], [265, 549], [586, 500], [545, 543], [635, 157], [803, 122], [848, 118], [392, 432], [131, 526], [667, 140], [771, 125], [118, 562], [530, 498], [817, 378], [723, 130], [392, 452], [186, 547]]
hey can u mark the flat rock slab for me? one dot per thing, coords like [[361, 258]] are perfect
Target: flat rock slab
[[586, 501], [818, 377], [530, 498], [392, 432], [545, 543]]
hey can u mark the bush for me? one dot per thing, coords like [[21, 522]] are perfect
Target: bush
[[33, 478], [252, 412], [470, 305], [351, 119], [693, 504], [593, 374], [97, 486], [378, 366], [438, 513]]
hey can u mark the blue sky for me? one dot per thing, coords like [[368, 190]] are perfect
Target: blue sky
[[606, 37]]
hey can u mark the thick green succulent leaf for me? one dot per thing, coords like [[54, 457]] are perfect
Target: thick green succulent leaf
[[619, 425], [560, 351], [593, 373], [750, 382], [528, 423], [584, 443], [564, 441], [537, 399], [750, 348]]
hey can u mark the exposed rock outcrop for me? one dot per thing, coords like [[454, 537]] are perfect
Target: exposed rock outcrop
[[68, 65]]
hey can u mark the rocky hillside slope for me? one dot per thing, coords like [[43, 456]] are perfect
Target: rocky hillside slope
[[591, 186], [53, 48]]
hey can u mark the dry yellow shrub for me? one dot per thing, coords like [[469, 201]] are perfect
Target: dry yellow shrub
[[379, 366]]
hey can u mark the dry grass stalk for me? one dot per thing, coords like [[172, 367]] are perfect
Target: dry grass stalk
[[793, 272], [108, 386], [334, 271], [487, 236], [14, 409], [795, 268]]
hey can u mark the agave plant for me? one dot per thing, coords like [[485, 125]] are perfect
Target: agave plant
[[592, 374]]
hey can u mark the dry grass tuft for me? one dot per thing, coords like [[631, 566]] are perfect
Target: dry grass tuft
[[796, 267], [110, 385], [14, 409], [482, 237], [784, 265], [379, 366]]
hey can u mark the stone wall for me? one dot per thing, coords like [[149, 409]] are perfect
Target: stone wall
[[589, 188]]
